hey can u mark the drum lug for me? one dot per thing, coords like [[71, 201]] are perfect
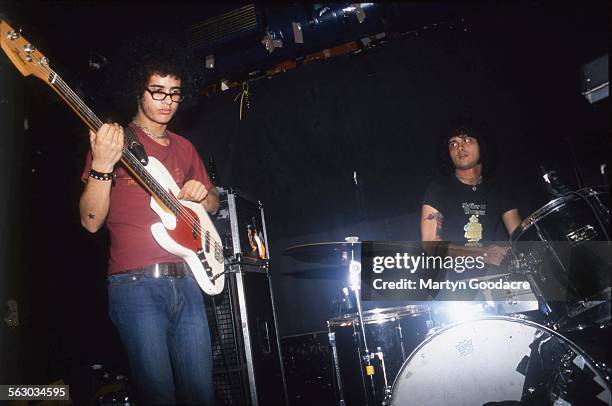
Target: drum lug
[[387, 400]]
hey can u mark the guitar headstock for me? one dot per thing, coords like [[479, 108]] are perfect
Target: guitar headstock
[[26, 58]]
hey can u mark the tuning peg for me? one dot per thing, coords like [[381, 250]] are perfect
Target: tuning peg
[[28, 49], [13, 35]]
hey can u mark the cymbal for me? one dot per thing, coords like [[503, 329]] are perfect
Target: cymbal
[[340, 252], [329, 253], [323, 272]]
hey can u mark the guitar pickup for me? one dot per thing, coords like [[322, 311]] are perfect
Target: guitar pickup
[[207, 242], [194, 230]]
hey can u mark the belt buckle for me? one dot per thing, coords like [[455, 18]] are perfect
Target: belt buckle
[[157, 271]]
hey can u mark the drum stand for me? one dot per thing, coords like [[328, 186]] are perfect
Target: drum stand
[[528, 266], [365, 355], [332, 344]]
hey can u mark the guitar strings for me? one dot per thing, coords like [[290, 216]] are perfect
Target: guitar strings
[[151, 181], [97, 123], [186, 215]]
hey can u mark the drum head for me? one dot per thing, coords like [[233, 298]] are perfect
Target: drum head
[[497, 359]]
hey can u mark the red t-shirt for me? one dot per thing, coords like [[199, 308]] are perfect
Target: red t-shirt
[[130, 215]]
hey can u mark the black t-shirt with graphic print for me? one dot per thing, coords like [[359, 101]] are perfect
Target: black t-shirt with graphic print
[[471, 217]]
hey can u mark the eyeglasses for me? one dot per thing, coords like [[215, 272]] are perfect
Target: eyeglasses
[[159, 95]]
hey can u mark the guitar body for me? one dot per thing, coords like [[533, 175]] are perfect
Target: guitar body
[[196, 241]]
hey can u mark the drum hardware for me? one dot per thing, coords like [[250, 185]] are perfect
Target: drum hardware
[[527, 265], [393, 332], [601, 208], [332, 343], [554, 318], [492, 301], [344, 254], [355, 285], [381, 356], [542, 304], [585, 233], [518, 316], [386, 389], [399, 333], [563, 249]]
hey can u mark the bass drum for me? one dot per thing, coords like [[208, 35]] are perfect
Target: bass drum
[[500, 359]]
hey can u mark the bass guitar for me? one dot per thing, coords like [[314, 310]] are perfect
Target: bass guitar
[[185, 229]]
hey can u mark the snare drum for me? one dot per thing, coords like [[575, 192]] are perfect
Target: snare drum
[[564, 249], [500, 359], [391, 334]]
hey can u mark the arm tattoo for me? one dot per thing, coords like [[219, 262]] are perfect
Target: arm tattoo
[[91, 216], [439, 218]]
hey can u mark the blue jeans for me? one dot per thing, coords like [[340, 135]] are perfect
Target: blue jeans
[[163, 326]]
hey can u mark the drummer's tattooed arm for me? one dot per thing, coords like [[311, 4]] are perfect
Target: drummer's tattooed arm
[[439, 218], [431, 224]]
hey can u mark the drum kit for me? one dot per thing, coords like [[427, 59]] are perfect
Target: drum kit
[[555, 352]]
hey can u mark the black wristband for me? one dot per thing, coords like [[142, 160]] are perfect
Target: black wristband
[[101, 175]]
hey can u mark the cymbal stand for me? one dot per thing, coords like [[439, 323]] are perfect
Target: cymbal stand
[[355, 285], [332, 343]]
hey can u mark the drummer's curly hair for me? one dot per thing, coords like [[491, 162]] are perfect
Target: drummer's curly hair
[[144, 55], [475, 129]]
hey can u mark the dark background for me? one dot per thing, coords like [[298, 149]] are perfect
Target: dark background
[[515, 67]]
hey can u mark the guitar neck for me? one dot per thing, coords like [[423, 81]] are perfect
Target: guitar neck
[[30, 61], [74, 101]]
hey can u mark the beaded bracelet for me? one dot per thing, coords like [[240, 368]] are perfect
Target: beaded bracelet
[[101, 175]]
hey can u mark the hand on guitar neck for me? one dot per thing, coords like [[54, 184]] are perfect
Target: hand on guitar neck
[[106, 147]]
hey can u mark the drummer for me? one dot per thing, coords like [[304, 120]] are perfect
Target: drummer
[[464, 206]]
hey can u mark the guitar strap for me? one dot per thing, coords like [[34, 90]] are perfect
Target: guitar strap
[[135, 147]]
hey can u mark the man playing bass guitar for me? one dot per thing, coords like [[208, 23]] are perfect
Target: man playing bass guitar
[[154, 300]]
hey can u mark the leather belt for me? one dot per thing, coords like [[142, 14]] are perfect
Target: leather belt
[[165, 269]]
